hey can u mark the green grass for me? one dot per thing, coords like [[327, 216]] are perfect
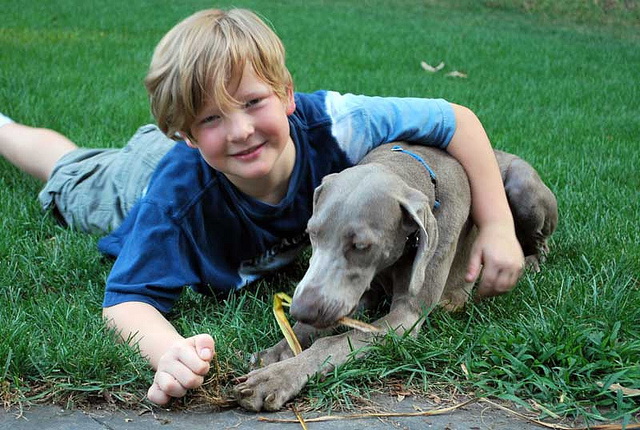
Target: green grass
[[610, 12], [557, 86]]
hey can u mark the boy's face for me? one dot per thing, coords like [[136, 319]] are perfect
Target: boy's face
[[250, 144]]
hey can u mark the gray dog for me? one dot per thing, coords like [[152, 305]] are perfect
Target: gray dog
[[398, 224]]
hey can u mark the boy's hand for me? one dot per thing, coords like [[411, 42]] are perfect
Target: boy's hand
[[181, 368], [497, 252]]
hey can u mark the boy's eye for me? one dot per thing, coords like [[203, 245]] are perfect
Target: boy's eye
[[252, 102], [210, 118]]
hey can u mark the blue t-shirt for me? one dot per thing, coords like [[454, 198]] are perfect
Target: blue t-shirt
[[194, 228]]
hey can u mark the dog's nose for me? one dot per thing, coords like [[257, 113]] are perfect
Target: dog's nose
[[306, 307], [312, 308]]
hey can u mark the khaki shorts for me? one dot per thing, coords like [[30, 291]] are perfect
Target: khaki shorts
[[92, 190]]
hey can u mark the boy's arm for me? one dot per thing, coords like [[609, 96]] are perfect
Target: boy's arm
[[180, 363], [496, 247]]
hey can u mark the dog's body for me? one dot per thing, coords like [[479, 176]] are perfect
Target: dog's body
[[400, 222]]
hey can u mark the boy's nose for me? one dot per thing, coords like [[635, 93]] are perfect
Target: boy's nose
[[240, 127]]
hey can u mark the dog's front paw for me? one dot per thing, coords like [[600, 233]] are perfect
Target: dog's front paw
[[455, 300], [532, 263], [271, 387], [278, 352]]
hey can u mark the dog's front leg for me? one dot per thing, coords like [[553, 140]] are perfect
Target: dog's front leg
[[272, 386], [281, 350]]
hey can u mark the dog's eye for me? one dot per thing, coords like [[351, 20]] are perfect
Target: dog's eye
[[361, 246]]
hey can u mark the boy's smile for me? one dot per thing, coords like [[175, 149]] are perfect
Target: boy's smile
[[250, 144]]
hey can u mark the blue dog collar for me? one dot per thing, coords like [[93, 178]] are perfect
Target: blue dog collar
[[432, 174]]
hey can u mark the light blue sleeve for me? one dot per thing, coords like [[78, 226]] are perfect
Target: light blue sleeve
[[360, 123]]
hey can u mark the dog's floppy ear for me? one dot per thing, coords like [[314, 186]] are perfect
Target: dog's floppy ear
[[417, 206], [318, 190]]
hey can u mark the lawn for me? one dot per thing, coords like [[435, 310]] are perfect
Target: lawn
[[558, 87]]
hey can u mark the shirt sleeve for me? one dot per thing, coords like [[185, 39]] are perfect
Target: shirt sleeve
[[155, 262], [360, 123]]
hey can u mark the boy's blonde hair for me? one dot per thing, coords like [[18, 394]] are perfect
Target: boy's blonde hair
[[200, 58]]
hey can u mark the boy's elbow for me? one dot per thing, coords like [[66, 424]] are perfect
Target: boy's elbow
[[110, 318], [108, 314]]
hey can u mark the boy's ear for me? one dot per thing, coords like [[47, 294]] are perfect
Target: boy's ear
[[291, 101]]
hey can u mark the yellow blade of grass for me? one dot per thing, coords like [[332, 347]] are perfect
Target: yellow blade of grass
[[359, 325], [301, 420], [280, 300]]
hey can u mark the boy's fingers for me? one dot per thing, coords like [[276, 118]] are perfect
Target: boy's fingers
[[189, 361], [182, 375], [488, 285], [194, 355], [473, 268], [181, 369], [497, 281], [157, 396], [169, 384], [205, 346]]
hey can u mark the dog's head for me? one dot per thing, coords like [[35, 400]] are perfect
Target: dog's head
[[361, 220]]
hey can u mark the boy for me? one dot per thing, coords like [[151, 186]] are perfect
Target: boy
[[231, 199]]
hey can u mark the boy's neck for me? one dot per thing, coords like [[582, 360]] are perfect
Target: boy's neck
[[272, 188]]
